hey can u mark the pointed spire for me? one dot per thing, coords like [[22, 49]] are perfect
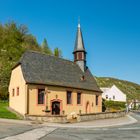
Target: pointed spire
[[79, 50], [78, 25], [79, 43], [79, 22]]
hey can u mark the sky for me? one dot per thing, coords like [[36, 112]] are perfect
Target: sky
[[111, 30]]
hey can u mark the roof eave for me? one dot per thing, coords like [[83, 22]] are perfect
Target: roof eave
[[50, 84], [16, 65], [79, 51]]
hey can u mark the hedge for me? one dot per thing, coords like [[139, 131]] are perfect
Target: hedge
[[115, 105]]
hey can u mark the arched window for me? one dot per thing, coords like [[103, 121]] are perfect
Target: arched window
[[78, 98], [17, 91], [80, 56], [41, 96], [13, 92], [69, 97], [97, 99]]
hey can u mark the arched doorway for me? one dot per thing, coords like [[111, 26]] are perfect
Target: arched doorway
[[55, 108], [87, 107]]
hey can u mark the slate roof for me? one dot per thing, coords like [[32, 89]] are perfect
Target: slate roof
[[45, 69], [79, 43]]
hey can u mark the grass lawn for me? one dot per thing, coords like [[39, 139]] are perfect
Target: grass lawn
[[5, 113]]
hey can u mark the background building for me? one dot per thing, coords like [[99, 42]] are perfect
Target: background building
[[113, 94]]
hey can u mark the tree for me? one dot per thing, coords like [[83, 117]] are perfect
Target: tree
[[45, 47], [30, 43], [14, 41], [57, 52]]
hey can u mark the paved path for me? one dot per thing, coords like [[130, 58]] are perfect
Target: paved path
[[9, 129], [33, 134], [125, 132], [13, 121], [53, 131], [97, 123]]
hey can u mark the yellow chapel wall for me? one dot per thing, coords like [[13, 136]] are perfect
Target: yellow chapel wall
[[17, 102], [59, 94]]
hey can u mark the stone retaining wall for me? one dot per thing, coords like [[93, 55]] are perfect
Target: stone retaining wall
[[103, 115], [135, 111], [80, 118], [53, 118]]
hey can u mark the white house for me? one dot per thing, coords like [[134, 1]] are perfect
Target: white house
[[113, 94]]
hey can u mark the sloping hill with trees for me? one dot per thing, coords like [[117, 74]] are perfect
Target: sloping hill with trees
[[14, 41], [132, 90]]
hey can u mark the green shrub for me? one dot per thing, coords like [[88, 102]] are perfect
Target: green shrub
[[115, 105]]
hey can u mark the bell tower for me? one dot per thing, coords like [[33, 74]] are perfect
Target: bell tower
[[79, 50]]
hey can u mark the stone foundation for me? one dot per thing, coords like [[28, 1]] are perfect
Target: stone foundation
[[81, 117], [52, 118], [103, 115]]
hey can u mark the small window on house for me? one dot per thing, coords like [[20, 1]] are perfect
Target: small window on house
[[113, 97], [97, 99], [41, 96], [78, 98], [106, 96], [13, 92], [69, 97], [17, 91]]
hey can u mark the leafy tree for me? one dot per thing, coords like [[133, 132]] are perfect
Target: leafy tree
[[57, 52], [30, 43], [14, 41], [45, 47]]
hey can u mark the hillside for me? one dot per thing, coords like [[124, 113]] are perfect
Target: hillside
[[132, 90], [14, 41]]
